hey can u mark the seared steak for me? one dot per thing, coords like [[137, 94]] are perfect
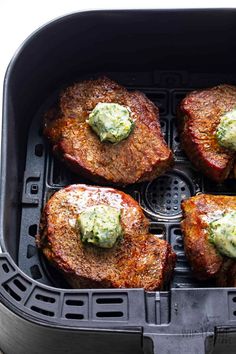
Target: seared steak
[[198, 117], [203, 256], [138, 259], [143, 156]]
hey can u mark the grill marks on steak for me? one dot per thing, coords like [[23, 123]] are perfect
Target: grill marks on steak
[[139, 259], [144, 155], [198, 117], [203, 256]]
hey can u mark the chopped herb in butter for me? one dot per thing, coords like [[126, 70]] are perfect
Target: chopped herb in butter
[[223, 234], [100, 225], [226, 130], [111, 122]]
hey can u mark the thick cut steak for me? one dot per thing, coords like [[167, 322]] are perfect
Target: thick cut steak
[[143, 156], [138, 259], [197, 119]]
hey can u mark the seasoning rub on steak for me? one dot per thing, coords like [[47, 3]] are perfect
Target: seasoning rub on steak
[[138, 258], [198, 117], [142, 156]]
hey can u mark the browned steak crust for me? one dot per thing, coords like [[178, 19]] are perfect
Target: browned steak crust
[[143, 156], [139, 259], [198, 117], [227, 273], [204, 258]]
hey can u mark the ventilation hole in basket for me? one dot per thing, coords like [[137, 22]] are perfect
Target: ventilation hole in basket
[[158, 231], [5, 268], [42, 311], [38, 150], [114, 300], [178, 248], [71, 302], [57, 174], [234, 313], [162, 123], [19, 285], [181, 257], [164, 195], [179, 240], [177, 232], [34, 189], [159, 99], [74, 316], [11, 292], [110, 314], [35, 272], [234, 299], [43, 298], [32, 230], [31, 251], [177, 139]]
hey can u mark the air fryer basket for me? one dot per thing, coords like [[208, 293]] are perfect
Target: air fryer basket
[[165, 54]]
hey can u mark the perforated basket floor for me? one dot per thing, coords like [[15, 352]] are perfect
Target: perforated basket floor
[[41, 292]]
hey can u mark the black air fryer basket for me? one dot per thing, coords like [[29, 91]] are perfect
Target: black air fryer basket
[[165, 54]]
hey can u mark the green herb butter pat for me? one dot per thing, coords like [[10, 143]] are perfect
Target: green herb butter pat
[[223, 234], [100, 225], [226, 130], [111, 122]]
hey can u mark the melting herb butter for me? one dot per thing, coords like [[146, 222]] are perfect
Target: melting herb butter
[[111, 122], [226, 130], [223, 234], [100, 225]]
